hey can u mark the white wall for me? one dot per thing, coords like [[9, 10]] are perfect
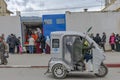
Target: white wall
[[101, 21], [10, 24]]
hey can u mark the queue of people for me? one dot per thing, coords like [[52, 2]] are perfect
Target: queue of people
[[114, 41], [13, 42], [37, 43], [35, 40], [100, 40]]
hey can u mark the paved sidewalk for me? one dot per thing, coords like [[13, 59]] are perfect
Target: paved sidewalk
[[41, 60], [112, 57], [29, 59]]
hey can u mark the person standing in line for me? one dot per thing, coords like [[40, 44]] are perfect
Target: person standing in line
[[29, 32], [38, 49], [47, 45], [18, 44], [39, 32], [117, 42], [8, 42], [3, 47], [42, 42], [112, 41], [97, 39], [31, 44], [38, 44], [103, 41], [12, 43]]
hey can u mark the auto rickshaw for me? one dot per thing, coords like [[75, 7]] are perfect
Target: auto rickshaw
[[65, 57]]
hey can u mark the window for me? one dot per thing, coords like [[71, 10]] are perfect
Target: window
[[48, 21], [60, 21], [55, 43]]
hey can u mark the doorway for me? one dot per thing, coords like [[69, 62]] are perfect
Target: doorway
[[30, 28]]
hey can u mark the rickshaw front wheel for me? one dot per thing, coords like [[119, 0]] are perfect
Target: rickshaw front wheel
[[59, 71], [103, 71]]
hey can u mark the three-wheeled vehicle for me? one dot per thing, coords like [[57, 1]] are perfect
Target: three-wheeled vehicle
[[67, 55]]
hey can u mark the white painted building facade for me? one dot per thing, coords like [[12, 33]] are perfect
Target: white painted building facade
[[108, 22], [10, 24]]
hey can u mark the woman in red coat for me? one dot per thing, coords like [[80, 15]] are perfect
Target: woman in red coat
[[112, 41]]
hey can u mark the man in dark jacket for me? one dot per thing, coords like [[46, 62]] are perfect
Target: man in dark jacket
[[43, 43], [117, 42], [12, 43], [97, 39], [18, 44], [103, 41]]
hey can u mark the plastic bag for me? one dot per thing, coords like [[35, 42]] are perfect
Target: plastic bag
[[6, 54]]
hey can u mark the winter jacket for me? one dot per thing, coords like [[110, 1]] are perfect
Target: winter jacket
[[112, 40]]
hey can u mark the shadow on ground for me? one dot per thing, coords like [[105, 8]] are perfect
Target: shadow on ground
[[72, 76]]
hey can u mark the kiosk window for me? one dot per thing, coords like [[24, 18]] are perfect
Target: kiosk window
[[60, 21], [48, 21], [55, 43]]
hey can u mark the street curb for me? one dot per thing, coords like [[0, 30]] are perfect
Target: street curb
[[113, 65], [21, 66], [29, 66]]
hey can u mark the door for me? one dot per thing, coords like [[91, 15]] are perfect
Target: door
[[71, 54]]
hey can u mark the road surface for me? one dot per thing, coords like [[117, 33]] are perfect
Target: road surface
[[38, 74]]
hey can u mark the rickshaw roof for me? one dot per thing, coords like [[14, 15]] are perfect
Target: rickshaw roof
[[62, 33]]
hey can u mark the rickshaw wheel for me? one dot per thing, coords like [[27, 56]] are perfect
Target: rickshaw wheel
[[103, 71], [59, 71]]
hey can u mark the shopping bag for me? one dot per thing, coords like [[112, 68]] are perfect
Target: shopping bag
[[20, 49]]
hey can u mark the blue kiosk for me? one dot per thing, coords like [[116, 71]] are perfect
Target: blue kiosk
[[53, 22]]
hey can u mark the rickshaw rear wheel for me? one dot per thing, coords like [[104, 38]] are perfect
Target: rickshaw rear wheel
[[59, 71], [103, 71]]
